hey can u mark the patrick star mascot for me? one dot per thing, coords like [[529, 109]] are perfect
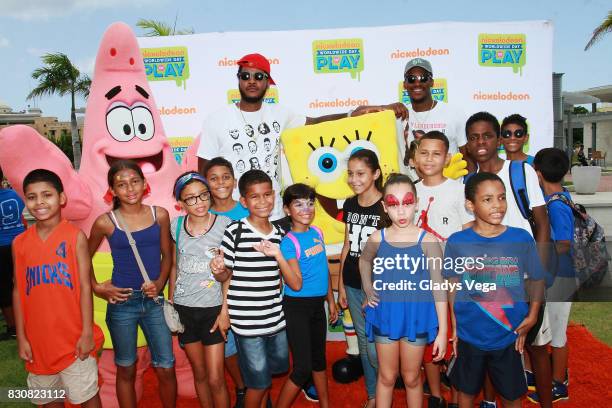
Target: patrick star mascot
[[121, 122]]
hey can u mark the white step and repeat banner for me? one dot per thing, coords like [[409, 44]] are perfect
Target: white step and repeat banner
[[502, 67]]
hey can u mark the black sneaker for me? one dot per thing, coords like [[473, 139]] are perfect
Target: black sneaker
[[310, 392], [452, 405], [240, 395], [436, 402]]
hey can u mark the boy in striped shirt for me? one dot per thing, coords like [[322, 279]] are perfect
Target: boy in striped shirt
[[252, 287]]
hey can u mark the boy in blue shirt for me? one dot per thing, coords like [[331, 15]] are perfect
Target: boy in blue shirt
[[492, 322], [551, 166]]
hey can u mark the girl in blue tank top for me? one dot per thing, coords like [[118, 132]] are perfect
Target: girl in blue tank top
[[402, 313], [132, 302]]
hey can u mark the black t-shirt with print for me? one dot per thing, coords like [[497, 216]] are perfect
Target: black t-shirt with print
[[361, 222]]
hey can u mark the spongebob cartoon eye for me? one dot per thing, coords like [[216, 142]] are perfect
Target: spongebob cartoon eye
[[326, 163], [119, 123], [143, 122], [357, 145]]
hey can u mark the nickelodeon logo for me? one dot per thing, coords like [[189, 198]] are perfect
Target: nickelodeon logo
[[419, 53], [338, 103], [500, 96], [502, 50], [439, 91], [176, 110], [179, 146], [338, 56], [166, 64], [229, 62], [271, 96]]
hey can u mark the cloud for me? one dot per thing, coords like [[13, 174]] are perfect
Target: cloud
[[4, 42], [37, 52], [86, 65], [28, 10]]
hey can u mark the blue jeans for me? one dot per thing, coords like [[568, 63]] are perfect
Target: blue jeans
[[261, 357], [367, 350], [230, 345], [123, 320]]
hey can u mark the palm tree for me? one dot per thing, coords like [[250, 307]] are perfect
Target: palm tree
[[161, 29], [604, 28], [60, 76]]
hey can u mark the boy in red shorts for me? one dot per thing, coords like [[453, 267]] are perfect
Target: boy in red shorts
[[53, 300]]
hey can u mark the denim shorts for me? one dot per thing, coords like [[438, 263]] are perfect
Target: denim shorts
[[261, 357], [123, 320], [418, 341], [230, 345]]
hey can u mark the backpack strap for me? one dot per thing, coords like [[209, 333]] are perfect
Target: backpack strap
[[560, 197], [296, 243], [179, 225], [519, 187], [467, 177], [318, 230]]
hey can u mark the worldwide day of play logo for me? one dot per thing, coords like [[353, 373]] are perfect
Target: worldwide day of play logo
[[166, 64], [338, 56], [271, 96], [502, 50], [439, 91]]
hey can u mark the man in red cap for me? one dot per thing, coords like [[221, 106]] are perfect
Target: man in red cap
[[253, 121]]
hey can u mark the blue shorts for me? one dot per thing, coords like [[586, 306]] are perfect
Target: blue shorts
[[419, 341], [123, 320], [261, 357], [230, 345]]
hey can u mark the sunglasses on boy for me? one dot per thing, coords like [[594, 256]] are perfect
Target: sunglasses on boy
[[204, 196], [258, 76], [518, 133], [411, 79]]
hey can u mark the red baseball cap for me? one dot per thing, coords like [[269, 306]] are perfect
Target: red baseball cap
[[257, 61]]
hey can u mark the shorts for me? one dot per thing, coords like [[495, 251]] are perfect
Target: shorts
[[79, 381], [558, 316], [230, 346], [504, 366], [197, 322], [540, 334], [6, 276], [123, 320], [262, 357], [418, 341]]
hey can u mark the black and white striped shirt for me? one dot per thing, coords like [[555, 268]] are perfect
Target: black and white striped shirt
[[254, 296]]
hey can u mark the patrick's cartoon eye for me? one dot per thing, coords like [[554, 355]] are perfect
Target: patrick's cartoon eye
[[120, 124], [144, 128], [325, 163]]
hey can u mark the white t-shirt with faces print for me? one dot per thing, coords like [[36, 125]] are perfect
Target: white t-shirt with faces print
[[249, 140]]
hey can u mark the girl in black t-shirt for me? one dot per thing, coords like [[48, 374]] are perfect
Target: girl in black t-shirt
[[362, 216]]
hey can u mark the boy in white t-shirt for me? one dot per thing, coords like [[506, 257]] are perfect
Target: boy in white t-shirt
[[440, 211], [482, 130]]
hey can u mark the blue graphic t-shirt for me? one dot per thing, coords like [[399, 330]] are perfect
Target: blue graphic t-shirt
[[237, 213], [490, 304], [562, 229], [312, 261], [11, 208]]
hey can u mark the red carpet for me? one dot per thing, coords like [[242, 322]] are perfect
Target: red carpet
[[590, 370]]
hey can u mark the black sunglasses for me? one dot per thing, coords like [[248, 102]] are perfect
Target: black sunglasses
[[258, 76], [518, 133], [411, 79]]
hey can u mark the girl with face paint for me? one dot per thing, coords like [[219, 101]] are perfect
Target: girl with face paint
[[399, 265]]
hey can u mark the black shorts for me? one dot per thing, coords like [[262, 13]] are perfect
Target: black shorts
[[198, 321], [505, 368], [6, 276]]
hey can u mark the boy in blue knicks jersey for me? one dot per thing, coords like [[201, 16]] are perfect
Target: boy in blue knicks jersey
[[489, 264], [303, 250]]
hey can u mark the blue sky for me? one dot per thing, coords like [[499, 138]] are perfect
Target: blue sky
[[29, 28]]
